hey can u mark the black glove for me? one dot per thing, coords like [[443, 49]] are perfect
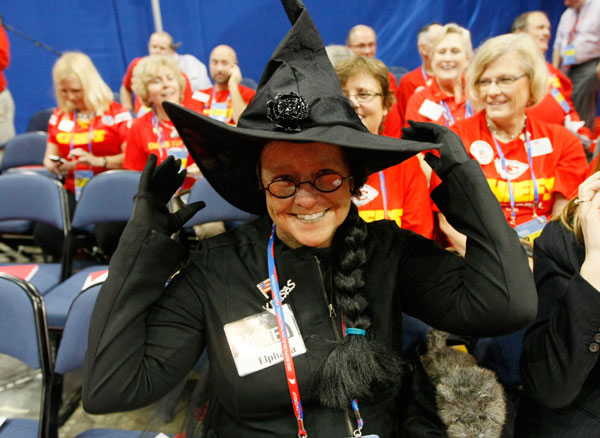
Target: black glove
[[452, 150], [157, 186]]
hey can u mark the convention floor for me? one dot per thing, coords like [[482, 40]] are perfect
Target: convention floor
[[20, 397], [20, 386]]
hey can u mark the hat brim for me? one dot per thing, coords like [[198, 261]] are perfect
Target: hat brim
[[228, 155]]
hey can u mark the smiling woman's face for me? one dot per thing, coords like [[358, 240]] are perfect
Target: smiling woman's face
[[309, 217]]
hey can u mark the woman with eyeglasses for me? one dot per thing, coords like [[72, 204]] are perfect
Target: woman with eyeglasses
[[399, 193], [300, 311], [445, 100], [532, 167]]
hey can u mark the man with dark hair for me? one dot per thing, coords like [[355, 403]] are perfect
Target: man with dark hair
[[556, 106], [7, 105]]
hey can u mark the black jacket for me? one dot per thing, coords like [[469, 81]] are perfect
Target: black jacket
[[144, 339], [559, 364]]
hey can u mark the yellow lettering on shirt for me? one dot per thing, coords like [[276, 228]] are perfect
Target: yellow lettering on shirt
[[175, 143], [377, 215], [523, 190], [81, 138]]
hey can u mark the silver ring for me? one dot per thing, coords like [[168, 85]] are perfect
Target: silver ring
[[579, 201]]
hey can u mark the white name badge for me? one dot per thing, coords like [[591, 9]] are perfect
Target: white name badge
[[541, 146], [254, 340], [200, 96], [366, 436], [66, 125], [431, 110], [108, 120]]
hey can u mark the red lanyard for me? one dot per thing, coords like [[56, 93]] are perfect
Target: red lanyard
[[288, 361], [574, 29], [290, 371]]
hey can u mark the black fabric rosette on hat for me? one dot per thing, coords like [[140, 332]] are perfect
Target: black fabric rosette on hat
[[299, 99]]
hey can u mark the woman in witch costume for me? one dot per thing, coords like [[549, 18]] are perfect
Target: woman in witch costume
[[300, 310]]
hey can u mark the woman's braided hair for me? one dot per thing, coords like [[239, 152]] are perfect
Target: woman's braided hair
[[357, 365]]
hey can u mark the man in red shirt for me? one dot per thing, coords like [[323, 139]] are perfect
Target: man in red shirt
[[227, 99], [7, 105], [362, 40], [556, 106], [420, 77]]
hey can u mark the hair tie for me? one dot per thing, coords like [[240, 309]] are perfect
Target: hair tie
[[355, 331]]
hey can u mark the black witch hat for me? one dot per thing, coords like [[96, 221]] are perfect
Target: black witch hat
[[299, 99]]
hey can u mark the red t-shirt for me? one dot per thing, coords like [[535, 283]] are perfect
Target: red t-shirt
[[408, 201], [4, 56], [559, 164], [550, 110], [392, 125], [143, 140], [412, 82], [108, 133], [138, 106], [431, 104], [204, 100]]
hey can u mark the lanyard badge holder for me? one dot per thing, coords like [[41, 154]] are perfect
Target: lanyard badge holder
[[449, 118], [81, 176], [176, 152], [219, 110], [568, 52], [290, 370], [533, 228]]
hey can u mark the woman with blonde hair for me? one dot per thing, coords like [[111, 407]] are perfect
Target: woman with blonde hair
[[444, 101], [559, 363], [86, 132], [157, 79], [531, 166]]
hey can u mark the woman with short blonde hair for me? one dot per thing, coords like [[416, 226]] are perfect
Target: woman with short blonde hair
[[146, 70], [531, 166], [529, 58], [444, 100]]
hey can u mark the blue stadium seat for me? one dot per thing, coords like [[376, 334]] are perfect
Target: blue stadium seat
[[32, 197], [24, 336]]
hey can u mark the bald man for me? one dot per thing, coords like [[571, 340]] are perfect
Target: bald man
[[227, 99], [362, 40], [161, 43]]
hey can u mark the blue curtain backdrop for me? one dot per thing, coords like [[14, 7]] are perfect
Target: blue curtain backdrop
[[112, 32]]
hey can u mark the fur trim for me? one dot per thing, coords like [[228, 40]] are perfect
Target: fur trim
[[469, 399]]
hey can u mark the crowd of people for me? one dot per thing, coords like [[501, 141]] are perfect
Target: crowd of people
[[323, 161]]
